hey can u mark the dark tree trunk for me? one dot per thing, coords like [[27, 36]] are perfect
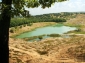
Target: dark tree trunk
[[4, 31]]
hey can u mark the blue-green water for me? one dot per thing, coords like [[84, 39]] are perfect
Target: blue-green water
[[55, 29]]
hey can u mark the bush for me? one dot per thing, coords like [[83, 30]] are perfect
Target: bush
[[42, 52], [24, 25], [40, 37], [78, 30], [29, 24], [15, 27], [20, 26], [54, 35], [12, 30]]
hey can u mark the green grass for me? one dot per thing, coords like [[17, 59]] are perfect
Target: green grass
[[54, 35], [81, 32]]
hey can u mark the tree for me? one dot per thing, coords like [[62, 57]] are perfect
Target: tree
[[9, 8]]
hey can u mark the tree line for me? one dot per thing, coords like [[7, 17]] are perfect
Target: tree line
[[21, 21], [52, 17]]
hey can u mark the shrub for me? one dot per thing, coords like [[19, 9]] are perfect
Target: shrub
[[24, 25], [40, 37], [15, 27], [29, 24], [54, 35], [78, 30], [20, 26], [42, 52], [12, 30]]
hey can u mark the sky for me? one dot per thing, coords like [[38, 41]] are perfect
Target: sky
[[67, 6]]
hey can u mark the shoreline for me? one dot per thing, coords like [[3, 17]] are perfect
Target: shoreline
[[30, 28]]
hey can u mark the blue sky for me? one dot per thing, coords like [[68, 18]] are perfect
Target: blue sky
[[67, 6]]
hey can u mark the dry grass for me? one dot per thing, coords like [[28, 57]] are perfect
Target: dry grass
[[50, 50]]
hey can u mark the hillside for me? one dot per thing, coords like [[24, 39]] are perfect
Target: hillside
[[53, 49], [78, 22], [52, 17]]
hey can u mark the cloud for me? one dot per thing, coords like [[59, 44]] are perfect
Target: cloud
[[67, 6]]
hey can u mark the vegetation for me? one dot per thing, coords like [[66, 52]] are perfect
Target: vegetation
[[53, 17], [30, 38], [54, 35], [42, 52], [66, 50], [28, 22], [40, 37], [20, 21], [10, 8], [78, 22]]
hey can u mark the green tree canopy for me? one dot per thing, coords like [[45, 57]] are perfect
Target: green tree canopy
[[18, 6], [9, 8]]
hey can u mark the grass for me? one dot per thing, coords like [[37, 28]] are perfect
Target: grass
[[40, 37], [81, 32], [78, 22], [53, 35], [79, 29], [76, 32], [74, 47]]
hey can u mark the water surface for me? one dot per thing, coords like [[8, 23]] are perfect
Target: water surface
[[55, 29]]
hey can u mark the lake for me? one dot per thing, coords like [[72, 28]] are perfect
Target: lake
[[54, 29]]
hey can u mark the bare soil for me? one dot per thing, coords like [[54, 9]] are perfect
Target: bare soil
[[51, 50]]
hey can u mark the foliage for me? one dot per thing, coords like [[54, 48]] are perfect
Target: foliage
[[54, 35], [78, 30], [12, 30], [43, 52], [53, 17], [33, 19], [20, 26], [24, 25], [40, 37], [18, 22], [18, 6]]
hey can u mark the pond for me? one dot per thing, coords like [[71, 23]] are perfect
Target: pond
[[54, 29]]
